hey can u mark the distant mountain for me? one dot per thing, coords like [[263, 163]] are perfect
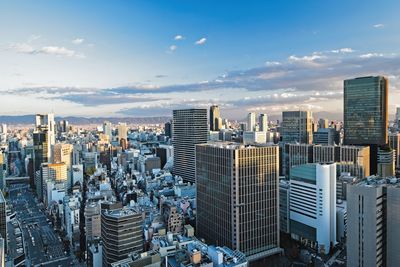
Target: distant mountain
[[30, 119]]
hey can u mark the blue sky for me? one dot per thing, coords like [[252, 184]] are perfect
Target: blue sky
[[144, 58]]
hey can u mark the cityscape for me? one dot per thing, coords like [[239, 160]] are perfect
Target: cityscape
[[177, 155]]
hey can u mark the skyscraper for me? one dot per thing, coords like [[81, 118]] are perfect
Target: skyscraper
[[373, 235], [168, 129], [323, 123], [263, 122], [63, 153], [107, 129], [214, 118], [398, 117], [189, 128], [3, 219], [366, 114], [297, 127], [40, 146], [45, 124], [251, 121], [122, 132], [121, 233], [313, 204], [237, 197], [366, 111]]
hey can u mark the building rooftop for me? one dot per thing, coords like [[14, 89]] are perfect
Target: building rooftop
[[376, 181]]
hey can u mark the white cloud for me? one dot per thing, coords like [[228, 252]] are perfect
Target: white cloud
[[306, 59], [343, 50], [369, 55], [172, 48], [78, 41], [378, 26], [272, 63], [25, 48], [22, 48], [201, 41], [179, 37]]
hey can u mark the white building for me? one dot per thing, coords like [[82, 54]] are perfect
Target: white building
[[250, 138], [313, 205], [251, 121]]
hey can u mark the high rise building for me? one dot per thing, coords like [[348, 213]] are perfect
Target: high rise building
[[373, 235], [92, 222], [2, 169], [122, 132], [3, 219], [366, 114], [313, 204], [394, 143], [324, 136], [251, 121], [386, 161], [63, 153], [40, 146], [237, 197], [297, 127], [45, 124], [398, 117], [263, 122], [121, 233], [189, 129], [323, 123], [366, 111], [168, 129], [107, 129], [214, 118]]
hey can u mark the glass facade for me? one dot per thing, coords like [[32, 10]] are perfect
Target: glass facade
[[237, 196], [366, 111]]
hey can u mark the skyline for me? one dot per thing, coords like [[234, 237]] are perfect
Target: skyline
[[148, 58]]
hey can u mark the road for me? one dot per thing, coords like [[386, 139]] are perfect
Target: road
[[43, 246]]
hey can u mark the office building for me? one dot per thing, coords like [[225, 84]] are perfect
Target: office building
[[323, 123], [366, 114], [398, 117], [373, 217], [386, 161], [122, 132], [168, 129], [394, 143], [284, 196], [190, 128], [313, 204], [3, 168], [107, 129], [3, 219], [251, 121], [237, 197], [366, 111], [121, 233], [214, 118], [63, 153], [92, 222], [324, 136], [250, 138], [295, 154], [297, 127], [263, 123], [46, 124]]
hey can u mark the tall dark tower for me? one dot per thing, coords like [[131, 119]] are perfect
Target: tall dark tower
[[214, 118], [366, 114]]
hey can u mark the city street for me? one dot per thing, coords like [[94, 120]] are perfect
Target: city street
[[42, 245]]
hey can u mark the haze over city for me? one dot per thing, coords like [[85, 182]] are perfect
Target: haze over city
[[146, 58]]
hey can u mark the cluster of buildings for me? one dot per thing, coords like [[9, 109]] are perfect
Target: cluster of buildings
[[204, 191]]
